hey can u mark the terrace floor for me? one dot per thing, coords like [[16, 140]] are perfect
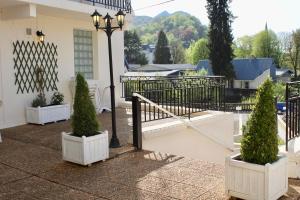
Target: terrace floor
[[32, 168]]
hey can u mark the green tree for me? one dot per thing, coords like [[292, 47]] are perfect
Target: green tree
[[181, 25], [84, 119], [293, 51], [243, 47], [259, 143], [177, 52], [266, 45], [220, 37], [197, 51], [162, 53], [133, 48]]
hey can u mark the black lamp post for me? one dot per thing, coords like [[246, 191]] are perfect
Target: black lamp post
[[109, 29]]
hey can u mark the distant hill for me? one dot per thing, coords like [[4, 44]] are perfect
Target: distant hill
[[178, 26]]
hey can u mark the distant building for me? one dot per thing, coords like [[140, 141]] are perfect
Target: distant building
[[250, 73], [284, 75], [176, 69]]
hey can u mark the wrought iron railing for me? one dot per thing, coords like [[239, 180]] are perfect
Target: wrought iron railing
[[181, 101], [239, 107], [131, 84], [124, 5], [292, 111]]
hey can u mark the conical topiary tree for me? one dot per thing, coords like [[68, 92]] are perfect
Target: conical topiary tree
[[84, 120], [260, 142]]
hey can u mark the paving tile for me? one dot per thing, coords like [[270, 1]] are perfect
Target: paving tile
[[182, 191], [215, 193], [177, 174], [30, 158], [137, 194], [9, 174], [204, 181], [205, 167], [36, 188], [154, 184], [17, 196]]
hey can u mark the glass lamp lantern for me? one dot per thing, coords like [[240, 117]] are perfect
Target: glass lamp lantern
[[96, 19], [120, 18]]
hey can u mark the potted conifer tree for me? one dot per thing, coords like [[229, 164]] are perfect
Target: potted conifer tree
[[86, 144], [259, 172]]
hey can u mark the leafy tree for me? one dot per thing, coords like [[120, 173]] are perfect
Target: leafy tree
[[220, 37], [266, 45], [162, 53], [201, 72], [243, 47], [177, 52], [180, 25], [84, 119], [133, 48], [259, 144], [197, 51], [293, 51]]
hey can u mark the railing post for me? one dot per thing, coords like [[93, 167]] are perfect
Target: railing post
[[287, 117], [137, 122]]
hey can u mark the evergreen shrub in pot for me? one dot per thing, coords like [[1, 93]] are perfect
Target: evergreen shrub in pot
[[86, 144], [259, 172]]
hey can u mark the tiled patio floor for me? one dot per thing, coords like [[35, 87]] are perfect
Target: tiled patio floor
[[31, 168]]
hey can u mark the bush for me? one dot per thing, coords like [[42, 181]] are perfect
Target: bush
[[279, 90], [57, 98], [84, 119], [260, 142], [39, 101]]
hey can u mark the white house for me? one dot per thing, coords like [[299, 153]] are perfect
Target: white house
[[71, 45], [250, 72]]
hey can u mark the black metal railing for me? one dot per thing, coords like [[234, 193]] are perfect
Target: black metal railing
[[124, 5], [132, 84], [181, 101], [292, 111], [239, 107]]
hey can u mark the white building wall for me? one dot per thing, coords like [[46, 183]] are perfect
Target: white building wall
[[253, 84], [60, 32], [260, 79]]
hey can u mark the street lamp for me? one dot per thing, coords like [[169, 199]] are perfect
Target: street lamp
[[109, 29]]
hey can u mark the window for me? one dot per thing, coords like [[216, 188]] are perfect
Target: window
[[83, 53], [246, 85]]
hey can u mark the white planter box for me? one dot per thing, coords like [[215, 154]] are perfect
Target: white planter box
[[85, 150], [251, 181], [43, 115]]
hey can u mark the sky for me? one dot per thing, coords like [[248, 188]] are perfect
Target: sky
[[251, 15]]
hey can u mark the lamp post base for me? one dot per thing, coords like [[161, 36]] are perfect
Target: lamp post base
[[114, 143]]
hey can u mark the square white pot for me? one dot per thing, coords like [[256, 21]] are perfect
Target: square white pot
[[251, 181], [43, 115], [85, 150]]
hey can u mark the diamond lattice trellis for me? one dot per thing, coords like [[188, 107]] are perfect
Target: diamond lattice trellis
[[28, 58]]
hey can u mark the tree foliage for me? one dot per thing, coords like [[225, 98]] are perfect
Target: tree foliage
[[259, 143], [133, 49], [177, 52], [180, 25], [266, 45], [293, 51], [162, 53], [243, 47], [197, 51], [84, 119], [220, 37]]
